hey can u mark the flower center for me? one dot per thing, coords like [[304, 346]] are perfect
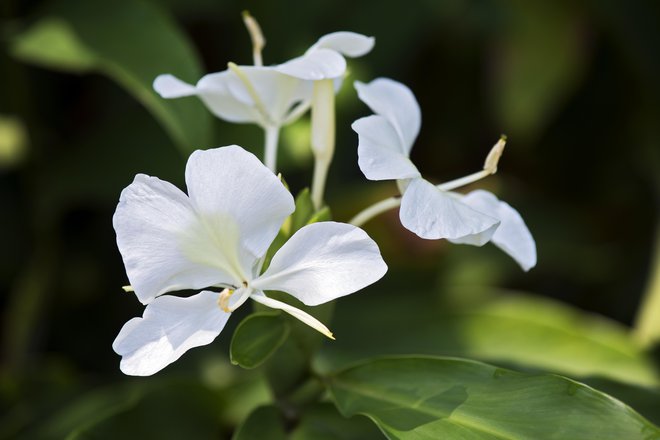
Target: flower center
[[231, 299]]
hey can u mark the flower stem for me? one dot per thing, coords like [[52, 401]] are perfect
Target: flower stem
[[272, 134], [318, 182], [376, 209]]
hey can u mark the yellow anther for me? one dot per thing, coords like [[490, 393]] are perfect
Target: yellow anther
[[128, 289], [223, 300], [494, 155]]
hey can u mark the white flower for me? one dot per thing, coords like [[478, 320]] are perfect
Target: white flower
[[271, 95], [433, 212], [216, 237]]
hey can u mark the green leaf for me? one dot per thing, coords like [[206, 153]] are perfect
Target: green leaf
[[83, 37], [517, 329], [304, 210], [433, 397], [323, 422], [263, 423], [257, 337]]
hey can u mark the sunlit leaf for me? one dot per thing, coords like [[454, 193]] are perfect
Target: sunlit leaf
[[257, 337], [84, 37], [264, 422], [516, 329], [429, 398]]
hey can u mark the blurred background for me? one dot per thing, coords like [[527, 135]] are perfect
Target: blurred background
[[574, 85]]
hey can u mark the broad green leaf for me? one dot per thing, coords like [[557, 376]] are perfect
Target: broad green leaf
[[84, 37], [516, 329], [323, 422], [264, 422], [257, 337], [434, 397]]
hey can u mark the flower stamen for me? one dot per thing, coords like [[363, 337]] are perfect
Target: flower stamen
[[223, 300], [256, 36], [258, 103]]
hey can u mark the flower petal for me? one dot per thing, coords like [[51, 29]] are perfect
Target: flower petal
[[169, 327], [349, 44], [397, 104], [316, 65], [169, 86], [278, 92], [513, 236], [154, 221], [381, 156], [230, 182], [324, 261], [213, 89], [433, 214], [293, 311]]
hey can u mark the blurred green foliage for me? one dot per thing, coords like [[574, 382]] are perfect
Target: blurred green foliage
[[573, 84]]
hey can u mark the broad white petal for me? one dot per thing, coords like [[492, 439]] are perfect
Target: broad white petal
[[397, 104], [316, 65], [278, 92], [513, 236], [381, 156], [169, 327], [213, 89], [157, 235], [229, 182], [293, 311], [433, 214], [324, 261], [349, 44], [169, 86]]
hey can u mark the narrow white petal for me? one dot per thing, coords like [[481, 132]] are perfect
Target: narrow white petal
[[169, 327], [397, 104], [231, 182], [381, 155], [156, 225], [293, 311], [433, 214], [349, 44], [513, 236], [316, 65], [169, 86], [213, 89], [324, 261]]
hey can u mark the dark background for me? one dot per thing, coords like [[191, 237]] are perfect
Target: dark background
[[574, 85]]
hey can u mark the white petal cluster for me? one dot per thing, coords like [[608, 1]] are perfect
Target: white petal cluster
[[215, 237], [270, 95], [385, 141]]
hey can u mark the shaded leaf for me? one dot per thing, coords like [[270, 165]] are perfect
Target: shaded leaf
[[256, 338], [323, 422], [427, 397], [263, 423], [83, 37]]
